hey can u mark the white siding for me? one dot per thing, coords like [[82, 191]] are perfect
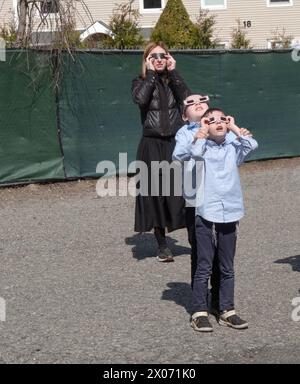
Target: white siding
[[102, 10], [6, 11], [263, 19]]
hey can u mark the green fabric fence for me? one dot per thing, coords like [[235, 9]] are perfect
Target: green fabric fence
[[48, 135], [29, 148]]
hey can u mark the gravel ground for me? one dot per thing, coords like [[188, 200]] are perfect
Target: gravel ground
[[81, 287]]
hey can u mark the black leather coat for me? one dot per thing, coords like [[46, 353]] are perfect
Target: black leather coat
[[146, 94]]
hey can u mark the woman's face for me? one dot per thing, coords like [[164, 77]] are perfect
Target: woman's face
[[159, 62]]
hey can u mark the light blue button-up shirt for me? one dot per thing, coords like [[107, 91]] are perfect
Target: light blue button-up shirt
[[184, 140], [182, 152], [223, 199], [192, 177]]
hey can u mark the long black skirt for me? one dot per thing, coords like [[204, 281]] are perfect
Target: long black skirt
[[158, 211]]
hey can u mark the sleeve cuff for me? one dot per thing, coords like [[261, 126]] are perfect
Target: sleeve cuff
[[151, 75]]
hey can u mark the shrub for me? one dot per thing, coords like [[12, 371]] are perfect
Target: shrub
[[8, 32], [174, 26], [239, 39], [281, 40], [125, 27], [205, 30]]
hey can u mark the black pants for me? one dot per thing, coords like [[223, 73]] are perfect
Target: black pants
[[220, 239], [215, 276]]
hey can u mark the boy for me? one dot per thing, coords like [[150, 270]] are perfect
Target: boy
[[218, 216], [194, 108]]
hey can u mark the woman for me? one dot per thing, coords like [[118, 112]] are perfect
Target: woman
[[159, 92]]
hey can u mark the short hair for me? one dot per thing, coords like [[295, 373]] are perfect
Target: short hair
[[184, 107], [210, 110]]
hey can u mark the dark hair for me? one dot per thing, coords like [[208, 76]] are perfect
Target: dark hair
[[210, 110]]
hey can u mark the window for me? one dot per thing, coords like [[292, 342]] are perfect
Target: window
[[151, 6], [214, 4], [279, 3], [148, 4], [49, 6]]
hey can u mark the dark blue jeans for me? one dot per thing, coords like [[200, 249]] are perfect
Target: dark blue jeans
[[215, 277], [219, 238]]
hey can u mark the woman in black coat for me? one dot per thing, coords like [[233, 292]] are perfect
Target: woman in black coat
[[159, 93]]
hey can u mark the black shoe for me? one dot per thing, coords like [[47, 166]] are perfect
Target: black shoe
[[200, 322], [165, 255], [231, 319]]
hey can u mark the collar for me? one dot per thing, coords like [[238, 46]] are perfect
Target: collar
[[193, 125]]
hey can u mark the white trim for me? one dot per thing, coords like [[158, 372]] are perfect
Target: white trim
[[15, 11], [214, 7], [97, 27], [225, 43], [280, 4], [151, 10]]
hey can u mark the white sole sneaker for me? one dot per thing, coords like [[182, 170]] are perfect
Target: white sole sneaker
[[228, 324], [203, 329]]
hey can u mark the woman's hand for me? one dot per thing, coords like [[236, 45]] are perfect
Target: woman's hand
[[149, 63], [171, 63]]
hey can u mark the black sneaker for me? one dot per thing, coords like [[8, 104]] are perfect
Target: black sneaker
[[165, 255], [231, 319], [200, 322]]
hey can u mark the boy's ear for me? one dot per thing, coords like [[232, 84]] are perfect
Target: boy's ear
[[184, 118]]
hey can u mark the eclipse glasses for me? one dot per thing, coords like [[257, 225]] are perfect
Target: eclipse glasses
[[158, 56], [197, 100], [212, 120]]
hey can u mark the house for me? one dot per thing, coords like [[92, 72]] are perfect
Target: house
[[260, 19]]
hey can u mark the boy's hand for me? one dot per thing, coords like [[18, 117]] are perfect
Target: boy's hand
[[245, 132], [232, 126], [231, 121], [202, 133], [205, 124]]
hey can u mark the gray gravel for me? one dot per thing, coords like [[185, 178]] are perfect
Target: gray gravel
[[81, 287]]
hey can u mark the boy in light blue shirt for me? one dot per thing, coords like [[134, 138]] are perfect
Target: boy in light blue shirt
[[223, 146], [194, 107]]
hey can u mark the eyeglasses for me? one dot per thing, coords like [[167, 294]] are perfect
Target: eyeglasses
[[203, 99], [158, 56], [213, 120]]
